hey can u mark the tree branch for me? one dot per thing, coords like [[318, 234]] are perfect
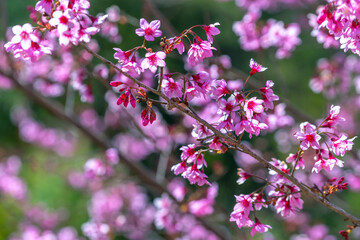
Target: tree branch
[[234, 142], [144, 175]]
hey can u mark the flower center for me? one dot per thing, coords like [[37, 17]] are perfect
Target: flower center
[[24, 35], [309, 138], [63, 20], [148, 31]]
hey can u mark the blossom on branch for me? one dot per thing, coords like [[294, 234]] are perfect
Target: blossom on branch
[[150, 31]]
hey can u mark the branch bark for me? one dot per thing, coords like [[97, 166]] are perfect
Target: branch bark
[[143, 174], [234, 142]]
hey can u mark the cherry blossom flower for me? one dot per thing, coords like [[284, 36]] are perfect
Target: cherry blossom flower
[[308, 136], [188, 153], [242, 176], [178, 44], [220, 89], [211, 30], [256, 67], [286, 204], [179, 168], [229, 106], [200, 131], [333, 118], [321, 163], [241, 211], [198, 51], [171, 88], [153, 60], [342, 144], [44, 6], [259, 227], [150, 31], [24, 35], [62, 20], [268, 95], [195, 176], [253, 105], [122, 56], [292, 159], [94, 167]]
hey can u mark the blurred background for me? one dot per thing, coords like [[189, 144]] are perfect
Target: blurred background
[[49, 173]]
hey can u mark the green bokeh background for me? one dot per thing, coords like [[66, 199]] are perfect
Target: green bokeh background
[[291, 77]]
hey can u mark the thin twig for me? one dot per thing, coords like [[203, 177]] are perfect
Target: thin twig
[[144, 175], [234, 142]]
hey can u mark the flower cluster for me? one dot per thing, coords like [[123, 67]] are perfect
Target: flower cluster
[[335, 76], [244, 205], [255, 36], [284, 196], [270, 5], [10, 183], [334, 144], [174, 222], [340, 19], [237, 112], [33, 132], [69, 21], [27, 44]]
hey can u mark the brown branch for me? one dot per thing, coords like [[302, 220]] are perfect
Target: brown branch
[[144, 175], [237, 145]]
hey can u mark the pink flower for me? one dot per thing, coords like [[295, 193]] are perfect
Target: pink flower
[[179, 168], [201, 207], [178, 44], [211, 30], [200, 131], [23, 35], [229, 106], [198, 51], [241, 211], [255, 67], [188, 153], [286, 204], [195, 175], [292, 159], [121, 56], [259, 201], [268, 95], [252, 106], [199, 160], [333, 118], [63, 20], [220, 89], [242, 176], [95, 168], [321, 163], [171, 88], [215, 144], [153, 60], [308, 136], [44, 6], [259, 227], [225, 122], [252, 127], [148, 115], [244, 203], [126, 97], [150, 31], [341, 145]]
